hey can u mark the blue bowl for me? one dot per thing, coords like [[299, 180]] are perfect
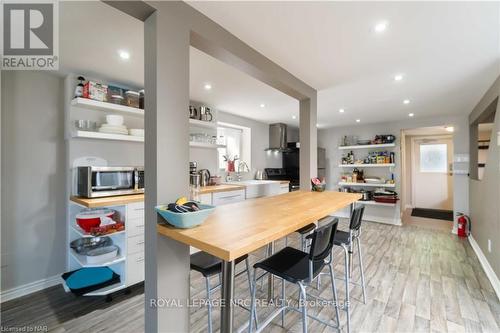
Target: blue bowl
[[185, 220]]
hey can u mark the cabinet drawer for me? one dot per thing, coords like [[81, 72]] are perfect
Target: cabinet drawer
[[135, 226], [206, 198], [135, 268], [135, 244], [222, 198], [135, 209]]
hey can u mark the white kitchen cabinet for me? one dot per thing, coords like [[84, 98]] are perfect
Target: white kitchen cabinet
[[223, 198], [284, 188], [206, 198], [135, 244], [135, 268]]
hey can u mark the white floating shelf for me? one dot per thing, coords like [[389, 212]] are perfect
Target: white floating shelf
[[105, 106], [366, 184], [203, 124], [374, 203], [383, 145], [379, 165], [82, 260], [106, 136], [205, 145]]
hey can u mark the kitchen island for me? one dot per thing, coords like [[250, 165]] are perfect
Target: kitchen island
[[240, 228]]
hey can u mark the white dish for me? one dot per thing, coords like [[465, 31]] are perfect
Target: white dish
[[114, 127], [136, 132], [114, 119]]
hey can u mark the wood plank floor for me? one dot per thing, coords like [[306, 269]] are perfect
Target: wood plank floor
[[417, 279]]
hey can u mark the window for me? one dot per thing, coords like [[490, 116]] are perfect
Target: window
[[237, 140], [231, 137], [433, 158]]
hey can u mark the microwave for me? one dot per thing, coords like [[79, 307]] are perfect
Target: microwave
[[96, 182]]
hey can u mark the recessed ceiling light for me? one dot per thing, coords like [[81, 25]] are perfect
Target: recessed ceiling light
[[358, 120], [406, 101], [341, 110], [411, 114], [380, 27], [449, 129], [124, 54], [294, 117], [263, 105], [207, 86], [398, 77]]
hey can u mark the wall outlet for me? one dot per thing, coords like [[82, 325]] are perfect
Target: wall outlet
[[489, 245]]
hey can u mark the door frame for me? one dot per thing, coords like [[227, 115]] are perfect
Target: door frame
[[413, 159]]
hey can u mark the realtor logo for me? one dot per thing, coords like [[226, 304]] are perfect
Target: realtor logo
[[30, 39]]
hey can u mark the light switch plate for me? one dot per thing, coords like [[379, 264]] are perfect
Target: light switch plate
[[489, 245]]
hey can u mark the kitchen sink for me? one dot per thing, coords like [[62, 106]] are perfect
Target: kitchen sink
[[258, 188]]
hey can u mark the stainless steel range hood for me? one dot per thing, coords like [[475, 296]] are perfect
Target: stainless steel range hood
[[277, 137]]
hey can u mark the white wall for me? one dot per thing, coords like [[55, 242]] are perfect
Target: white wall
[[33, 178], [207, 158], [331, 138]]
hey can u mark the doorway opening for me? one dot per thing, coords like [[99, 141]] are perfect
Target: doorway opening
[[427, 177]]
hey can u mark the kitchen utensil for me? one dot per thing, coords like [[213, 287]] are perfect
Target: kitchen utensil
[[102, 254], [114, 119], [205, 114], [89, 219], [373, 180], [185, 220], [215, 180], [194, 179], [86, 125], [136, 132], [204, 177], [193, 166], [260, 175], [85, 244], [193, 112]]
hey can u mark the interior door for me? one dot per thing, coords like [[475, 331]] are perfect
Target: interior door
[[431, 173]]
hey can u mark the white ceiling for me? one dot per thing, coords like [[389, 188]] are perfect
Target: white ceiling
[[449, 53]]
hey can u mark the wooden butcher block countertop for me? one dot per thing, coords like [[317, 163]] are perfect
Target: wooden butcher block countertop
[[240, 228]]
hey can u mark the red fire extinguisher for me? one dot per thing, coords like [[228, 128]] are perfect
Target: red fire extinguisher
[[463, 223]]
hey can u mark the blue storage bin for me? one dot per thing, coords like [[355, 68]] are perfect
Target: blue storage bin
[[185, 220]]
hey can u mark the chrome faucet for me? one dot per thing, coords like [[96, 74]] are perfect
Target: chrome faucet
[[242, 165]]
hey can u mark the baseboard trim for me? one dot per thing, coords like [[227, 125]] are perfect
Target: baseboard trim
[[490, 273], [7, 295]]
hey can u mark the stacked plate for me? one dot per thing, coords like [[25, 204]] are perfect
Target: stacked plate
[[114, 125]]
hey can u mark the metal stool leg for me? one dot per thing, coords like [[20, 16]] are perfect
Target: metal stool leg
[[361, 269], [302, 301], [347, 301], [253, 311], [207, 283], [283, 299], [334, 287], [250, 287]]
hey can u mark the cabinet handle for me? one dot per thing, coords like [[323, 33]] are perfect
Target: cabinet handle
[[230, 197], [139, 259], [140, 242], [140, 226]]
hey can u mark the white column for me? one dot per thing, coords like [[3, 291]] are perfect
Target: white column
[[308, 142], [166, 45]]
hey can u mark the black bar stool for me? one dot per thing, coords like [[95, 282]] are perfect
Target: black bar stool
[[208, 266], [300, 268], [345, 240]]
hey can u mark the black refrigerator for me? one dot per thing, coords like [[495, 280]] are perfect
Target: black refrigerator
[[291, 162]]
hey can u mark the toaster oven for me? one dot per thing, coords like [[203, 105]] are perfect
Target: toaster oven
[[95, 182]]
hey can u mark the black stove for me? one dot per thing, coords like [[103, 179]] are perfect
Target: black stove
[[281, 174]]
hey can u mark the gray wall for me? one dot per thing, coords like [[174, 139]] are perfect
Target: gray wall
[[33, 178], [331, 138], [485, 194]]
